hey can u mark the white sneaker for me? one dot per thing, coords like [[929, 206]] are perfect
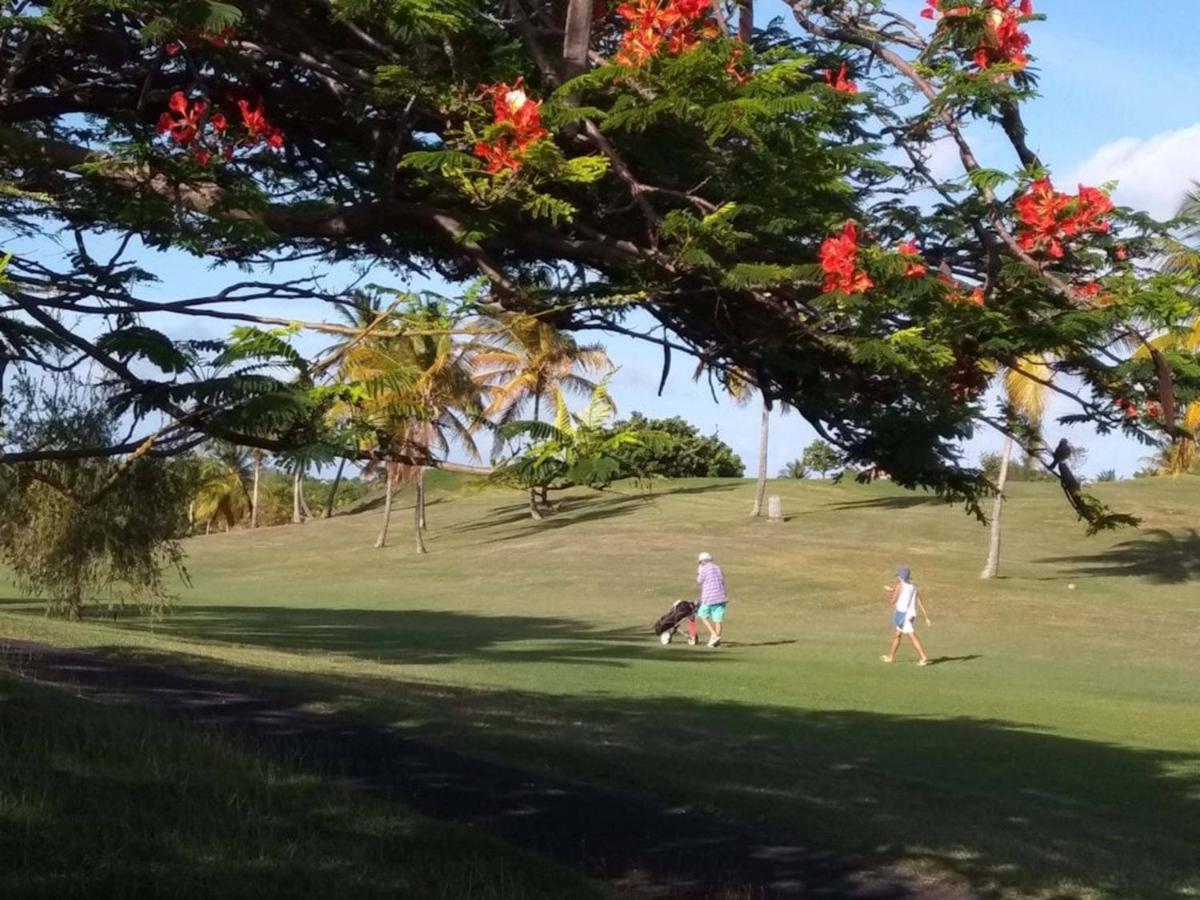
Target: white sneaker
[[714, 641], [664, 638], [691, 641]]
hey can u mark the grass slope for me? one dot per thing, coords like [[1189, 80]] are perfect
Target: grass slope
[[1055, 751], [106, 802]]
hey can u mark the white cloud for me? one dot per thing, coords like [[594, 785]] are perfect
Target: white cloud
[[1153, 173]]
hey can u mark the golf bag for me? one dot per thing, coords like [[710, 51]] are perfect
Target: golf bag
[[680, 611]]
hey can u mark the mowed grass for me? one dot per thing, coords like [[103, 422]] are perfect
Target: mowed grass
[[1053, 752], [100, 801]]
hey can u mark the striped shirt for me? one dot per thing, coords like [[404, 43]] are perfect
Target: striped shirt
[[712, 585]]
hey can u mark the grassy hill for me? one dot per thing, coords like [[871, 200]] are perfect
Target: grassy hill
[[1054, 751]]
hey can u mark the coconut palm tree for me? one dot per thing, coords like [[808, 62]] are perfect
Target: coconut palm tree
[[1026, 393], [222, 495], [1184, 257], [525, 364], [418, 393], [740, 389]]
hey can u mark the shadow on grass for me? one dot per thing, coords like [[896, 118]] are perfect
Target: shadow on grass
[[117, 802], [420, 637], [901, 502], [1008, 808], [1161, 556], [942, 660]]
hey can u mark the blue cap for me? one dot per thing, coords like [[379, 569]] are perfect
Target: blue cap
[[904, 573]]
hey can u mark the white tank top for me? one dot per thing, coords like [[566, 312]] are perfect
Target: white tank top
[[906, 600]]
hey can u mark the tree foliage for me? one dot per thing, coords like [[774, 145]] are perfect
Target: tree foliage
[[766, 205], [820, 457], [672, 448], [79, 531]]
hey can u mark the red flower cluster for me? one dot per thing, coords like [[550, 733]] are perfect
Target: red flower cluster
[[839, 82], [735, 60], [914, 266], [513, 108], [257, 125], [188, 126], [1153, 408], [676, 25], [933, 10], [1047, 218], [1002, 40], [956, 291], [839, 262], [216, 38]]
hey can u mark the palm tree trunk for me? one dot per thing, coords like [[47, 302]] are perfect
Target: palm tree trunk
[[534, 511], [421, 495], [304, 500], [993, 560], [419, 513], [381, 541], [745, 21], [254, 496], [296, 520], [760, 490], [337, 480]]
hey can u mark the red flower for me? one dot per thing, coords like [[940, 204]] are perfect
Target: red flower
[[1121, 252], [218, 121], [977, 297], [679, 25], [511, 106], [914, 267], [173, 48], [839, 259], [840, 82], [201, 155], [257, 126], [735, 59], [933, 10], [182, 119], [1045, 218], [1089, 291], [1002, 40], [1126, 406], [220, 38], [1153, 410]]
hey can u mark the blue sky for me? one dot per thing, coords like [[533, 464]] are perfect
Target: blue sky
[[1121, 100]]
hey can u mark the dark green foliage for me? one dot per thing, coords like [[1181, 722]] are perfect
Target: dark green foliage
[[820, 457], [795, 469], [672, 448]]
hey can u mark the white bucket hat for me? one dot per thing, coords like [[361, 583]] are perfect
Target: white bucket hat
[[705, 557]]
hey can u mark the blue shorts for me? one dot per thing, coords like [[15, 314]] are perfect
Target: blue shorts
[[714, 612]]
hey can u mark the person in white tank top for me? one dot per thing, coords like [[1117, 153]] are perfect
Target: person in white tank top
[[906, 601]]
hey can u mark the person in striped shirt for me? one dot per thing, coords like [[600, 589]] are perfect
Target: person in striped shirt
[[712, 598]]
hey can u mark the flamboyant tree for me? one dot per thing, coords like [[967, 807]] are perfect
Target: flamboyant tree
[[763, 197]]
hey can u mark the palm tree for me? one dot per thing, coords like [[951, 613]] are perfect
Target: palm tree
[[222, 495], [524, 362], [1183, 258], [740, 389], [1026, 392], [420, 394]]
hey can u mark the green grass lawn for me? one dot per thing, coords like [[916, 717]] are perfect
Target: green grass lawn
[[100, 801], [1054, 753]]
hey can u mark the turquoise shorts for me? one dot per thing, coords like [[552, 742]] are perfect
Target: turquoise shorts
[[714, 612]]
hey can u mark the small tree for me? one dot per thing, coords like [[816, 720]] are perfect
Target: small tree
[[820, 457], [795, 469], [576, 451], [83, 530]]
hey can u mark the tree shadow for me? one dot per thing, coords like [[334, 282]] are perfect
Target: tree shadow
[[1160, 556], [901, 502], [416, 636], [1008, 808]]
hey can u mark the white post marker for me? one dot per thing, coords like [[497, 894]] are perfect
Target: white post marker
[[774, 509]]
